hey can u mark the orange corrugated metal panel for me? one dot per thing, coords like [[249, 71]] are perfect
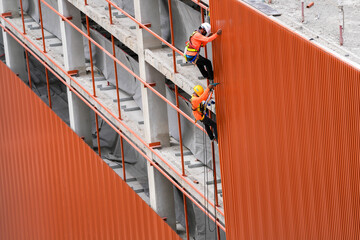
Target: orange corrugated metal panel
[[288, 117], [53, 186]]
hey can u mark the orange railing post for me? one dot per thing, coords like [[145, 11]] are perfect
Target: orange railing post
[[22, 15], [42, 26], [91, 57]]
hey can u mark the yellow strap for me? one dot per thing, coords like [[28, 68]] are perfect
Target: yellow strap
[[192, 50]]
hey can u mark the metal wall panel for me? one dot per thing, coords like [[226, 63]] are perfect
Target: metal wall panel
[[53, 186], [288, 117]]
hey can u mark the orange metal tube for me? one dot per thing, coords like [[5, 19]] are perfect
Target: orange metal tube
[[116, 77], [180, 133], [91, 57], [310, 5], [121, 122], [22, 15], [48, 86], [28, 68], [98, 133], [110, 14], [86, 3], [186, 217], [110, 124], [42, 26]]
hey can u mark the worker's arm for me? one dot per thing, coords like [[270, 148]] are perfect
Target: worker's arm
[[204, 40], [205, 95], [195, 101]]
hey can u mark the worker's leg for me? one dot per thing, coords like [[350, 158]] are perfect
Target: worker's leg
[[202, 63], [210, 123]]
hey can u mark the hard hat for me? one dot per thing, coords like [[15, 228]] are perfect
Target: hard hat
[[198, 90], [207, 27]]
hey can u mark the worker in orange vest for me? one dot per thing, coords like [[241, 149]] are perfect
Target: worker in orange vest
[[198, 39], [199, 101]]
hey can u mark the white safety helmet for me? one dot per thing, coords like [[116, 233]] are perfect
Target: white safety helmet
[[207, 27]]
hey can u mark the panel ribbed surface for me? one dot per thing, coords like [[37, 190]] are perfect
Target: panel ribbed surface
[[53, 186], [289, 123]]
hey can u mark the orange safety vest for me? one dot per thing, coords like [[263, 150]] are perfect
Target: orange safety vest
[[197, 105], [191, 53]]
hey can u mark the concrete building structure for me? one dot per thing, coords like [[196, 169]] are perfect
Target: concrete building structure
[[146, 118]]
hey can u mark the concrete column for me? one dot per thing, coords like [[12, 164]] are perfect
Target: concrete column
[[154, 110], [74, 59], [14, 52]]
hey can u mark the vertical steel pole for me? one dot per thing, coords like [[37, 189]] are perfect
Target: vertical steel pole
[[186, 217], [42, 26], [115, 65], [110, 14], [180, 134], [98, 133], [22, 16], [91, 57], [28, 68], [48, 86], [116, 76], [172, 35]]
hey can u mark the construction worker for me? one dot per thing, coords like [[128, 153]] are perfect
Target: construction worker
[[199, 101], [198, 39]]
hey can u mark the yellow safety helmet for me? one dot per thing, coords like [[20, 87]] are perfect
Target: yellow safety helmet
[[198, 90]]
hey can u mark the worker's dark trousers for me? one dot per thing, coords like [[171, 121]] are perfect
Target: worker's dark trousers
[[202, 63], [208, 122]]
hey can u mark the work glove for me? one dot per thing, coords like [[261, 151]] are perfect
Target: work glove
[[219, 32]]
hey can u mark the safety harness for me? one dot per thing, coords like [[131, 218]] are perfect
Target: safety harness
[[203, 106], [191, 48]]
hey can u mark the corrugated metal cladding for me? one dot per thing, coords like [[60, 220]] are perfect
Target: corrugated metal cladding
[[53, 186], [289, 122]]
